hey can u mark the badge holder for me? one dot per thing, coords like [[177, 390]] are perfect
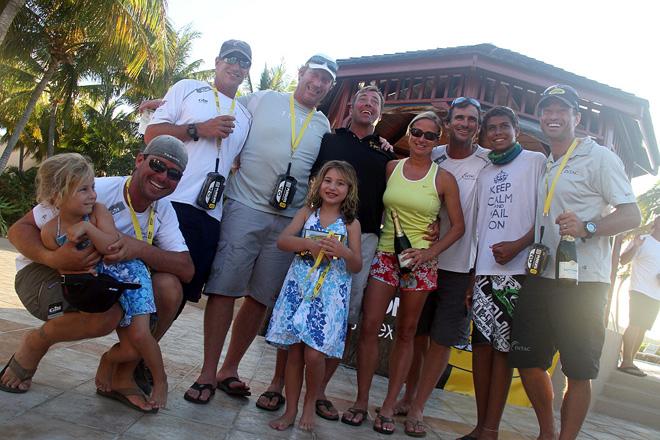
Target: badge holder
[[538, 257], [285, 189], [212, 189]]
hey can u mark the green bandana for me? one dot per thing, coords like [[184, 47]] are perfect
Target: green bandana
[[505, 156]]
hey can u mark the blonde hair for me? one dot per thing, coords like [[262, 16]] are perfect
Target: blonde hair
[[349, 205], [60, 175]]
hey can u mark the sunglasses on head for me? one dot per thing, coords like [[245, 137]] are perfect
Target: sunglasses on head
[[462, 99], [159, 166], [428, 135], [320, 60], [236, 60]]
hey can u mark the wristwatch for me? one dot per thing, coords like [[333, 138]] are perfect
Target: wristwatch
[[591, 228], [192, 132]]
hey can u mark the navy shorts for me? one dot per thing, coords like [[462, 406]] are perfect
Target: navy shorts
[[201, 232], [552, 316], [445, 317]]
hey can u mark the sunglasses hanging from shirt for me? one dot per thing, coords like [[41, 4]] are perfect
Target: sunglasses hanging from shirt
[[285, 185], [214, 184]]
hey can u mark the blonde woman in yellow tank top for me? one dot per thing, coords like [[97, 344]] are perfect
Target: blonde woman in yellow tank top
[[416, 187]]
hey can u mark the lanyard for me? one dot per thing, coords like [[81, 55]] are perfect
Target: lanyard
[[296, 140], [317, 263], [231, 113], [136, 225], [551, 192]]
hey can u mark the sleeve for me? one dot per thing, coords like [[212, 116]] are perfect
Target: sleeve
[[251, 100], [320, 159], [168, 236], [170, 111], [613, 183], [43, 214]]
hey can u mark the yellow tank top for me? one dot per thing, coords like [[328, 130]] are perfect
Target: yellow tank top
[[415, 201]]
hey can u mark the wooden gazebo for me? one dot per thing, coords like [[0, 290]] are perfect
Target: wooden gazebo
[[429, 79]]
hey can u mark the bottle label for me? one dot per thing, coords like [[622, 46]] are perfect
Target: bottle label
[[568, 270], [403, 262]]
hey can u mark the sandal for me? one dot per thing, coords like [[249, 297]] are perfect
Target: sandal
[[200, 387], [380, 429], [121, 395], [225, 385], [324, 408], [414, 428], [270, 395], [634, 371], [354, 412], [21, 374]]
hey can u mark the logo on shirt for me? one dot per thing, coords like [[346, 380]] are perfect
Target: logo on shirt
[[116, 208], [205, 101], [468, 176], [500, 177], [441, 159]]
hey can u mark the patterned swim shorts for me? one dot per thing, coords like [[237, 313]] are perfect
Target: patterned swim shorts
[[385, 268]]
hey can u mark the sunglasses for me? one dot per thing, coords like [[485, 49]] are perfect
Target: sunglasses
[[159, 166], [323, 61], [236, 60], [460, 100], [428, 135]]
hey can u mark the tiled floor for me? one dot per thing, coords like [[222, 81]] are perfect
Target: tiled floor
[[62, 403]]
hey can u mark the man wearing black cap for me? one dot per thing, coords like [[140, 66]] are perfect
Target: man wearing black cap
[[581, 181], [157, 172]]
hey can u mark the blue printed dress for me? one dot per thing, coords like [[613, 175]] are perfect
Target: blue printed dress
[[317, 321], [133, 302]]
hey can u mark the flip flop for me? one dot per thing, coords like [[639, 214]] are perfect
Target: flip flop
[[21, 374], [397, 411], [383, 420], [224, 385], [354, 412], [199, 387], [121, 396], [322, 403], [467, 437], [412, 428], [270, 395], [634, 371]]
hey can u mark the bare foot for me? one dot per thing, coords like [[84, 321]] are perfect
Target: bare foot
[[104, 372], [126, 382], [307, 421], [158, 398], [284, 422]]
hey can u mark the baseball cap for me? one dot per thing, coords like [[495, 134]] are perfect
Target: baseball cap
[[235, 46], [168, 147], [323, 62], [563, 92]]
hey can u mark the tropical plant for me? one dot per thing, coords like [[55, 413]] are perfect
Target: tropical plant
[[71, 40], [276, 78], [9, 10]]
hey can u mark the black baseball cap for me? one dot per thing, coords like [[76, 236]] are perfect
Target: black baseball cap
[[236, 46], [562, 92]]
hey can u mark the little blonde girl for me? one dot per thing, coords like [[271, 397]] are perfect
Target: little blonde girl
[[66, 183], [310, 316]]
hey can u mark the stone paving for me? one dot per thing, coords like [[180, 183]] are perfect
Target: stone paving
[[62, 403]]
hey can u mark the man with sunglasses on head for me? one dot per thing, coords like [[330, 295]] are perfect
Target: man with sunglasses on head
[[586, 195], [144, 219], [446, 318]]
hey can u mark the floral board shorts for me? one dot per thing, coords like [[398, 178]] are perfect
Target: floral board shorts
[[385, 268]]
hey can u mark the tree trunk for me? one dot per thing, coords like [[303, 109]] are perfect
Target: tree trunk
[[18, 129], [7, 16], [21, 158], [50, 150]]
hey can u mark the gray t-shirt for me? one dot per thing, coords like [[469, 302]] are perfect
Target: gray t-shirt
[[267, 151], [593, 181]]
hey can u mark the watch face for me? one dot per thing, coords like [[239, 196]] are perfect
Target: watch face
[[590, 227]]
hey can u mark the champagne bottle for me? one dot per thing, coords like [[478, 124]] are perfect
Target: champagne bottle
[[566, 268], [401, 243]]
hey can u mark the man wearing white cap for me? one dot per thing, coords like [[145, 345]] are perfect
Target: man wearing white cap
[[262, 197]]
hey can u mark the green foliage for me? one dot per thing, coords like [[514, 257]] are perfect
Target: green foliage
[[276, 78], [17, 195], [649, 203]]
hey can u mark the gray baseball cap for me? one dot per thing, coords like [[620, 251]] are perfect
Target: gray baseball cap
[[236, 46], [170, 148]]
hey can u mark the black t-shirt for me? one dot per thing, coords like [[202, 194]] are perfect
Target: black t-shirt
[[369, 162]]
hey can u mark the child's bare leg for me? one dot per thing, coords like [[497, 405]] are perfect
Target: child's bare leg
[[141, 339], [314, 373], [292, 384]]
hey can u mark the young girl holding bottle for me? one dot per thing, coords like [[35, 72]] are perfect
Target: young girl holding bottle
[[310, 316], [66, 183]]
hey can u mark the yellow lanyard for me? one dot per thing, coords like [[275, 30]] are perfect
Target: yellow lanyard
[[296, 140], [136, 225], [231, 113], [317, 263], [551, 192]]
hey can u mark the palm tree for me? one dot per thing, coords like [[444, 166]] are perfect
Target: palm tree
[[276, 78], [9, 11], [91, 35]]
